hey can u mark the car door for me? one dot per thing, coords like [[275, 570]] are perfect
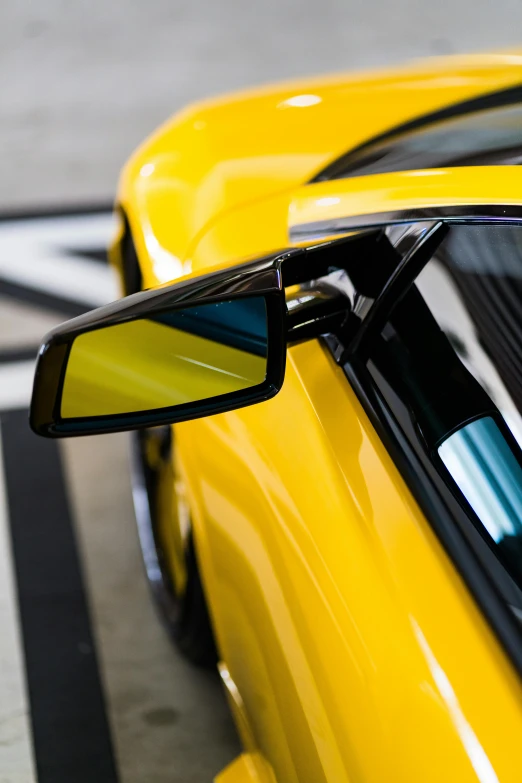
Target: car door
[[353, 648]]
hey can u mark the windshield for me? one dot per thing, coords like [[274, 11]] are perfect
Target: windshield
[[487, 137]]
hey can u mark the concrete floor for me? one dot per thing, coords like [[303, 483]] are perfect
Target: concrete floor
[[83, 83], [163, 711]]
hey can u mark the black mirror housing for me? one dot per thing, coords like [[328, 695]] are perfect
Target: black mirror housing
[[254, 281]]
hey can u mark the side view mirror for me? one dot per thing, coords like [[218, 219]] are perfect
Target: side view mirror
[[201, 346]]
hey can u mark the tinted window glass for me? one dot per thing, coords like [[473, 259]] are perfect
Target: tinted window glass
[[491, 137], [450, 363], [487, 472]]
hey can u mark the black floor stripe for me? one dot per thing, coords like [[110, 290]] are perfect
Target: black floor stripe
[[67, 307], [69, 722], [98, 254], [57, 211], [18, 354]]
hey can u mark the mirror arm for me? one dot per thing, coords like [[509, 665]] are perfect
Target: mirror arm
[[311, 312], [356, 252]]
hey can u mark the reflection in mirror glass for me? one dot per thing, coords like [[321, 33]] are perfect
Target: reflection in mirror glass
[[174, 358]]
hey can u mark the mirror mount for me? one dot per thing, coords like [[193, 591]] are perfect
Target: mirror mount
[[312, 312]]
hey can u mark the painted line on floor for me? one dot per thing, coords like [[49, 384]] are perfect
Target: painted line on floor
[[58, 210], [47, 256], [16, 385], [16, 755], [70, 729], [61, 305], [99, 255], [22, 353]]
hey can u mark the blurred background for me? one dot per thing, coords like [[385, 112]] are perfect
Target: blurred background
[[90, 686], [84, 82]]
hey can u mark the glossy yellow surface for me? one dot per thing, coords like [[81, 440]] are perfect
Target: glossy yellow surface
[[143, 365], [172, 509], [355, 650], [247, 768], [235, 151], [381, 193]]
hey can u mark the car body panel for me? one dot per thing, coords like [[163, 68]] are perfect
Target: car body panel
[[341, 620], [355, 650], [247, 768]]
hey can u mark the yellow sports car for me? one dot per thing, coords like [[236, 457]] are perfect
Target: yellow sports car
[[328, 464]]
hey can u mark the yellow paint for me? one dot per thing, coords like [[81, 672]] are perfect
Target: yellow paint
[[144, 365], [378, 193], [172, 515], [356, 650], [247, 768], [218, 155]]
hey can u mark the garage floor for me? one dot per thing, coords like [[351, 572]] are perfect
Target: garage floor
[[85, 82], [90, 687]]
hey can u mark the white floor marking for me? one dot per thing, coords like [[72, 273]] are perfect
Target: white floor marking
[[33, 254], [16, 754], [16, 385]]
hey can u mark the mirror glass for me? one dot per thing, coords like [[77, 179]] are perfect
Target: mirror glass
[[171, 358]]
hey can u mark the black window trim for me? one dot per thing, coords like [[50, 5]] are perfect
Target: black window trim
[[446, 516]]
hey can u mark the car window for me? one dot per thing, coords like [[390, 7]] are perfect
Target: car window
[[487, 137], [449, 362]]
